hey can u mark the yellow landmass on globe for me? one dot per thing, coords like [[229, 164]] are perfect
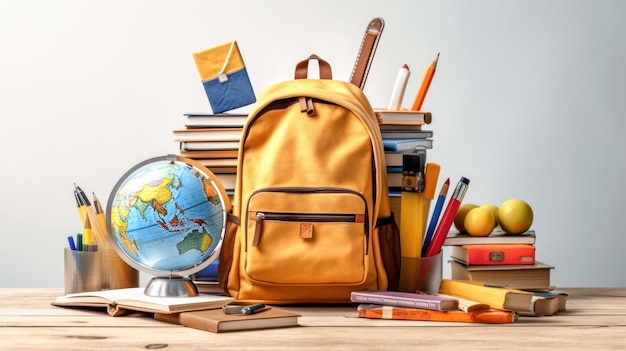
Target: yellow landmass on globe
[[120, 225], [195, 240], [157, 194]]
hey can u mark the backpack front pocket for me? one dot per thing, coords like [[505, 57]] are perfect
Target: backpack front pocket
[[306, 236]]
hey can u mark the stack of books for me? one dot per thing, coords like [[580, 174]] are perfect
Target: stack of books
[[505, 260], [213, 141], [402, 132]]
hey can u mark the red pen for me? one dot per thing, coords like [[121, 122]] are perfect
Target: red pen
[[448, 218]]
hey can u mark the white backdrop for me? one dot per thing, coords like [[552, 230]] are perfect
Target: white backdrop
[[527, 102]]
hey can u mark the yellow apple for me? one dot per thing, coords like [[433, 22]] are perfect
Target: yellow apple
[[494, 211], [459, 218], [479, 221], [515, 216]]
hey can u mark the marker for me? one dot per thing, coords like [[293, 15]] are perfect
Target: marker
[[448, 217], [79, 242], [70, 241], [399, 88]]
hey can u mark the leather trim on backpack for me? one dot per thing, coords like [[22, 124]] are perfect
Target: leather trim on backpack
[[389, 241], [227, 251]]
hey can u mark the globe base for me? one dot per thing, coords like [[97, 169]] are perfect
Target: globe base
[[171, 287]]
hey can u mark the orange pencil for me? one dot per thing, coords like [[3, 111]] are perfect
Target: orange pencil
[[428, 77]]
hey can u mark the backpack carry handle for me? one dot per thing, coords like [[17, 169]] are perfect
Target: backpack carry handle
[[302, 68]]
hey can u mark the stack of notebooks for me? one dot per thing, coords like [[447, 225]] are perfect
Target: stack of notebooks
[[213, 141], [402, 132], [505, 260]]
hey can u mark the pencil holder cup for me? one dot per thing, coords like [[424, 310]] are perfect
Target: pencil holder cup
[[82, 271], [116, 273], [430, 273], [421, 274]]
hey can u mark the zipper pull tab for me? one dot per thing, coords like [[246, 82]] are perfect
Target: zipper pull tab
[[258, 227], [306, 104]]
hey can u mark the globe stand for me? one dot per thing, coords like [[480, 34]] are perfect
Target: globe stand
[[171, 287]]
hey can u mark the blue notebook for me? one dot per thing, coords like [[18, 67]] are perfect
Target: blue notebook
[[407, 144]]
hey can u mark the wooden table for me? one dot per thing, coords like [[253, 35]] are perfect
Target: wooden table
[[595, 320]]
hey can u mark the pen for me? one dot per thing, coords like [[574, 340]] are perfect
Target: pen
[[448, 217], [399, 88], [252, 308], [435, 216], [428, 77]]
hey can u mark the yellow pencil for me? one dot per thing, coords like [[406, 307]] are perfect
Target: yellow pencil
[[87, 233]]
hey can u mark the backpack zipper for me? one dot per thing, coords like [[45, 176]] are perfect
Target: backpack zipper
[[260, 217]]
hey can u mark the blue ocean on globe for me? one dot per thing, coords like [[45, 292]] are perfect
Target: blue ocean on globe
[[167, 216]]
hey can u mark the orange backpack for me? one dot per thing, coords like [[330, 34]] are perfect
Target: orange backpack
[[311, 219]]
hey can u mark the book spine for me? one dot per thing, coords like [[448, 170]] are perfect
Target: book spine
[[485, 316]]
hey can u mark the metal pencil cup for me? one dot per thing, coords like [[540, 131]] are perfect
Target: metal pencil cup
[[421, 274], [116, 273], [83, 271], [430, 273]]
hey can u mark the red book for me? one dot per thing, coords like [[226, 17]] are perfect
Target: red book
[[491, 254]]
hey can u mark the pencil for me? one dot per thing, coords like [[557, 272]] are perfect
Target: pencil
[[101, 218], [435, 216], [87, 233], [428, 77], [447, 218], [81, 205]]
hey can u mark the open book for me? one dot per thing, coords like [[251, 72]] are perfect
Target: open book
[[120, 301]]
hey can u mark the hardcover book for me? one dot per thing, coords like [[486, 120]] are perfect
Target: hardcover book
[[524, 277], [224, 77], [407, 144], [502, 298], [455, 238], [494, 254], [208, 145], [120, 301], [405, 299], [491, 316], [548, 303], [210, 120], [406, 134], [199, 154], [208, 134], [403, 116], [216, 321]]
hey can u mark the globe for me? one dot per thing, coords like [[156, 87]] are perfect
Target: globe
[[166, 217]]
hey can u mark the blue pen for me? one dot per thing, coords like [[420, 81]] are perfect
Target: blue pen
[[70, 240], [435, 217]]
